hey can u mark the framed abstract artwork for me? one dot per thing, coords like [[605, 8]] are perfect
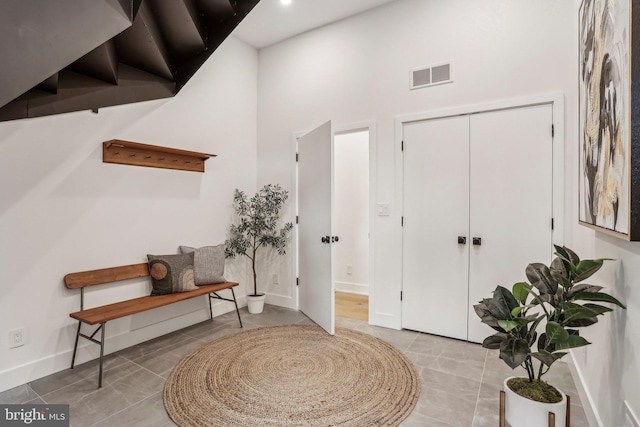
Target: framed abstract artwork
[[609, 117]]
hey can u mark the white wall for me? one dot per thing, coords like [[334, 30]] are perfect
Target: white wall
[[358, 70], [62, 210], [351, 175], [609, 368]]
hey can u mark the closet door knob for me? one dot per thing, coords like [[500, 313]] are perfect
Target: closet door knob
[[477, 241], [462, 240]]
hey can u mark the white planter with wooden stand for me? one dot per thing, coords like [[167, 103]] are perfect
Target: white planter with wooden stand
[[522, 412], [255, 303]]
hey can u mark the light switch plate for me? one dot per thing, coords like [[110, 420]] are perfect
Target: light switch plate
[[384, 209]]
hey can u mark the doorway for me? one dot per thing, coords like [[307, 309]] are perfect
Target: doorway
[[351, 177], [347, 173]]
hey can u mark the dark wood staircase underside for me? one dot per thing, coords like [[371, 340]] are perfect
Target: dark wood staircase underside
[[163, 46]]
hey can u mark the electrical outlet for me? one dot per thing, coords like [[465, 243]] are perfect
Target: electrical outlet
[[17, 338], [349, 269], [275, 279]]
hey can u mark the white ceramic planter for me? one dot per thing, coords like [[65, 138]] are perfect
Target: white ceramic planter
[[255, 303], [522, 412]]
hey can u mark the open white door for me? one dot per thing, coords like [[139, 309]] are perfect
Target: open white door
[[316, 286]]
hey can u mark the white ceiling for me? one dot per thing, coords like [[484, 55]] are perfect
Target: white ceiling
[[271, 22]]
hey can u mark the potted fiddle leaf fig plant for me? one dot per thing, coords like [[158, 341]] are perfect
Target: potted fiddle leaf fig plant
[[258, 227], [555, 303]]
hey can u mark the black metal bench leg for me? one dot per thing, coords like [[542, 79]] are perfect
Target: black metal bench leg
[[236, 303], [75, 347], [210, 308], [101, 354]]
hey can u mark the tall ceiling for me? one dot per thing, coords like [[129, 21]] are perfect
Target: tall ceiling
[[271, 22], [72, 57]]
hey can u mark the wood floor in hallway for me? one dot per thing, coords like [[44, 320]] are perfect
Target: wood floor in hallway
[[354, 306]]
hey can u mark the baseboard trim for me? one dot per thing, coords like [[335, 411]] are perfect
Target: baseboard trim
[[631, 419], [585, 397], [48, 365], [352, 288], [281, 301], [385, 320]]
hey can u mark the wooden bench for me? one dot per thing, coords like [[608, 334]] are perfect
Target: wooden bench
[[101, 315]]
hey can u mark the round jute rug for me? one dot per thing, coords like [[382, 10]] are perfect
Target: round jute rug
[[294, 375]]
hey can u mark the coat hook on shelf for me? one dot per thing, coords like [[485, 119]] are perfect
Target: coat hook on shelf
[[137, 154], [112, 144]]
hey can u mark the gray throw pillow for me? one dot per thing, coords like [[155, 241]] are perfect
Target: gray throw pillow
[[171, 273], [208, 263]]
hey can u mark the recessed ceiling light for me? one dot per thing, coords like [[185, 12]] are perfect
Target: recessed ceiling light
[[285, 2]]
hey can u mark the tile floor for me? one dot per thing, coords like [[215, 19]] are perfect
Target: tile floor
[[460, 381]]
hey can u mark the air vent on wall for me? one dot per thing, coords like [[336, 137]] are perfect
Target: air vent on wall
[[431, 76]]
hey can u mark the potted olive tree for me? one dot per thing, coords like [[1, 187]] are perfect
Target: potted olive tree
[[258, 227], [556, 304]]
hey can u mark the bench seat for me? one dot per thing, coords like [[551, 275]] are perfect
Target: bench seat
[[102, 314], [97, 315]]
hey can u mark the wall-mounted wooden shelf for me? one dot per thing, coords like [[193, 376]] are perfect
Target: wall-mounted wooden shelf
[[136, 154]]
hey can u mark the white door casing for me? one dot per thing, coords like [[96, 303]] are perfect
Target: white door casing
[[316, 287], [508, 203]]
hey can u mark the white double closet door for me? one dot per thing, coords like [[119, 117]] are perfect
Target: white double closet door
[[483, 178]]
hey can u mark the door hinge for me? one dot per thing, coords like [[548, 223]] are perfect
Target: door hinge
[[296, 219], [402, 221], [297, 281], [400, 295], [553, 131], [297, 157], [552, 223], [402, 146]]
